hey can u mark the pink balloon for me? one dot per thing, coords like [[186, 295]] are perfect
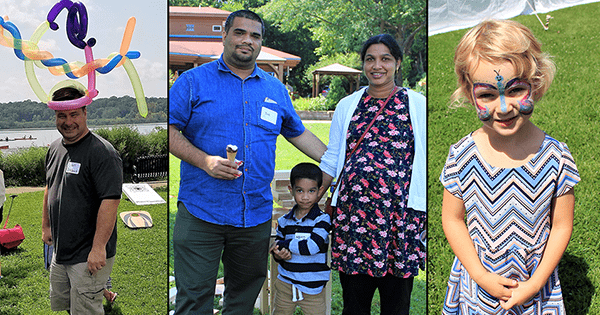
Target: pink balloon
[[89, 58]]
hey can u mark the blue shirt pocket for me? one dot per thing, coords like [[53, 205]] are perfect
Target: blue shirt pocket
[[269, 117]]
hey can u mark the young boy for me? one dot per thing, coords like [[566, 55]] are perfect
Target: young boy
[[301, 246]]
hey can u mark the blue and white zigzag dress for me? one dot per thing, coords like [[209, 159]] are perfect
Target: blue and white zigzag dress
[[508, 219]]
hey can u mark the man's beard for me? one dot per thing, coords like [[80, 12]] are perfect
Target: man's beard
[[243, 58]]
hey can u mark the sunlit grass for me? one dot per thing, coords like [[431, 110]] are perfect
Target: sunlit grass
[[138, 276]]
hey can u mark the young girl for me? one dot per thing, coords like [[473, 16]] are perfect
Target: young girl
[[513, 182]]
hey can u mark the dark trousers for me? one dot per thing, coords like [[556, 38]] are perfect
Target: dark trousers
[[198, 247], [358, 291]]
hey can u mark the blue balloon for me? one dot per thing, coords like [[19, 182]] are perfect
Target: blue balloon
[[133, 54], [71, 75], [14, 31], [110, 65], [53, 62], [115, 60]]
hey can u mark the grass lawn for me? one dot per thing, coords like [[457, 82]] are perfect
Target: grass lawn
[[569, 112], [287, 157], [138, 276]]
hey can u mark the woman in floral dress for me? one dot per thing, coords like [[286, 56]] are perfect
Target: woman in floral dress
[[376, 225]]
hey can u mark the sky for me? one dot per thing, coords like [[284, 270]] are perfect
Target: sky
[[107, 20]]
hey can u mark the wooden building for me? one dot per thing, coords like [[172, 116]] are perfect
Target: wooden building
[[195, 38]]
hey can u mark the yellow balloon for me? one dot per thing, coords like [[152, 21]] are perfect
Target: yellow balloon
[[34, 83], [137, 87], [29, 71]]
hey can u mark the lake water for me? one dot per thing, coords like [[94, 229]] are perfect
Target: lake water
[[44, 137]]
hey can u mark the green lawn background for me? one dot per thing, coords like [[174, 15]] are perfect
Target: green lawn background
[[570, 112], [286, 157], [139, 275]]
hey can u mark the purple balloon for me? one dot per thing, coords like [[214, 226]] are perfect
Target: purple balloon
[[77, 28], [55, 11]]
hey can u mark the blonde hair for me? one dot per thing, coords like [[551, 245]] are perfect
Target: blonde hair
[[498, 41]]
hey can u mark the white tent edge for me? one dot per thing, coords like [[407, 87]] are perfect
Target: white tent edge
[[451, 15]]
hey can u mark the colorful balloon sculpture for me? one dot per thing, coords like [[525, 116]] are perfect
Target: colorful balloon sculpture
[[77, 23]]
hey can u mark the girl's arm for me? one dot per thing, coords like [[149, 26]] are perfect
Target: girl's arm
[[453, 222], [560, 234]]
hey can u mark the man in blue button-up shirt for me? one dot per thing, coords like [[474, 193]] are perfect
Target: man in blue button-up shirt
[[225, 210]]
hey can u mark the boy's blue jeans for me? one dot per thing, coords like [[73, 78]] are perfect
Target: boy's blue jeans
[[199, 246]]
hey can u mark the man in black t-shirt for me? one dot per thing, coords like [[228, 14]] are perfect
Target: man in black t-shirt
[[84, 178]]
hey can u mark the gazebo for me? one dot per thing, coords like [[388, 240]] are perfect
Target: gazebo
[[353, 76]]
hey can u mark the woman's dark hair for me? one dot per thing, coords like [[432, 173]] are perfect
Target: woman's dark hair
[[247, 14], [67, 94], [385, 39], [307, 171]]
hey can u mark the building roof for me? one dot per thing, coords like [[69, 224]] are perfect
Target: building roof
[[195, 48], [197, 11], [281, 54], [215, 49], [337, 68]]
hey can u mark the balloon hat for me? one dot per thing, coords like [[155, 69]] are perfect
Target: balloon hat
[[85, 100], [77, 22]]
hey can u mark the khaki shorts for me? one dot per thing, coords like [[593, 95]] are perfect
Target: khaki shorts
[[73, 288], [283, 304]]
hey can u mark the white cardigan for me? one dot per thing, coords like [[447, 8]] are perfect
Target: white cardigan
[[332, 161]]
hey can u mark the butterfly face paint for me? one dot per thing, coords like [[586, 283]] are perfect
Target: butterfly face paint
[[500, 85], [526, 103], [487, 95], [482, 111]]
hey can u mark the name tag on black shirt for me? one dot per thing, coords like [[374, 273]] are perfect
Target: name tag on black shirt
[[73, 168]]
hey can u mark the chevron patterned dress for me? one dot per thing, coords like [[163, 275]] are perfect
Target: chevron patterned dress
[[508, 218]]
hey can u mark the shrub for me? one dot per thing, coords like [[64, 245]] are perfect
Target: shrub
[[314, 103], [25, 167], [318, 103], [336, 93], [131, 144], [301, 103], [127, 141], [421, 85], [157, 141]]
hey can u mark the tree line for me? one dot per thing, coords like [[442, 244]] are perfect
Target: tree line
[[103, 111]]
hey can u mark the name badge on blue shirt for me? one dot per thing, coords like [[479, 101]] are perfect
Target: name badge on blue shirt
[[302, 236], [268, 115], [73, 168]]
